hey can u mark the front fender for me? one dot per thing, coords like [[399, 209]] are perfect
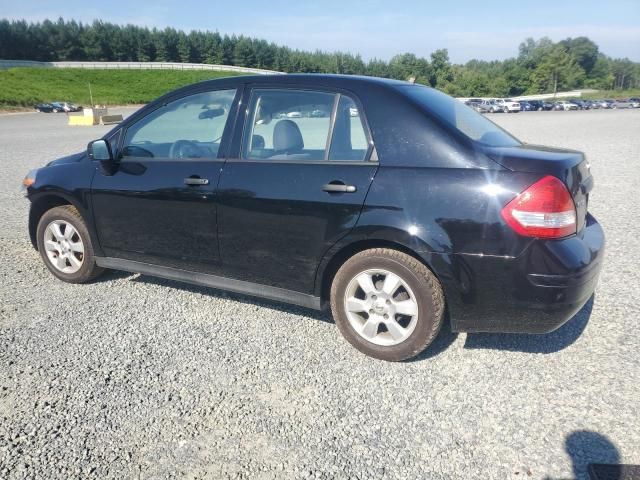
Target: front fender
[[60, 184]]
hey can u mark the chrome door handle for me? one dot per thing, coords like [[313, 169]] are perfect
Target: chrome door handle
[[196, 181], [338, 188]]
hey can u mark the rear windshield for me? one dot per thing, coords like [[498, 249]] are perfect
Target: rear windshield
[[461, 117]]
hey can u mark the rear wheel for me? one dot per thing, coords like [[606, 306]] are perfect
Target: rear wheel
[[387, 304], [65, 245]]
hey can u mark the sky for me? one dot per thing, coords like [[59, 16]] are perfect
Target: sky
[[482, 29]]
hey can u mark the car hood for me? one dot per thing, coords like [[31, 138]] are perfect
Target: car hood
[[76, 157]]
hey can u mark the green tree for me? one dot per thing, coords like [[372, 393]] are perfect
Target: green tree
[[184, 48], [441, 72], [557, 71], [583, 50], [243, 53]]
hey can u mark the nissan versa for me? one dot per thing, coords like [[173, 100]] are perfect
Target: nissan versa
[[391, 203]]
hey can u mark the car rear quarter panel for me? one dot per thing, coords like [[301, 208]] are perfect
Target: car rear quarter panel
[[446, 210], [451, 219]]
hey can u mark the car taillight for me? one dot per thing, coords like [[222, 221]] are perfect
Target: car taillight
[[544, 210]]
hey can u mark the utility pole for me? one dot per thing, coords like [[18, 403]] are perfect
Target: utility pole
[[90, 94]]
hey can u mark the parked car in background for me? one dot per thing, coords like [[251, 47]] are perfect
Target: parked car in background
[[606, 104], [294, 115], [622, 103], [547, 106], [478, 105], [582, 105], [566, 106], [635, 102], [490, 106], [57, 107], [44, 107], [68, 107], [508, 105], [537, 105], [492, 231], [525, 106]]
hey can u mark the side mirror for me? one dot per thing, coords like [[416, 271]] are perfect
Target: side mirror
[[100, 150]]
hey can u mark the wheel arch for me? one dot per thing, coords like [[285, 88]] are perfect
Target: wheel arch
[[45, 202], [336, 258]]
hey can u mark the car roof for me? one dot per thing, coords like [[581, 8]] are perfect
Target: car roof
[[355, 83], [309, 78]]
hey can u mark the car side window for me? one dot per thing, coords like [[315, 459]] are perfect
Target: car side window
[[288, 124], [189, 127], [349, 140]]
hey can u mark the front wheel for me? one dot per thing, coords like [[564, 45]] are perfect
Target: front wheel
[[387, 304], [65, 245]]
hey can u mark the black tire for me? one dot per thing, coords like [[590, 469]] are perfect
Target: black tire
[[424, 284], [89, 270]]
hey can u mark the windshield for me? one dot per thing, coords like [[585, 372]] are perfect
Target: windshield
[[459, 116]]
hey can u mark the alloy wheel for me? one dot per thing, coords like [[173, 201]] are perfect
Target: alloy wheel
[[381, 307], [63, 246]]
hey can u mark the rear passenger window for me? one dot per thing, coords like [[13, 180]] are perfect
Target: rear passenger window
[[349, 141], [288, 125]]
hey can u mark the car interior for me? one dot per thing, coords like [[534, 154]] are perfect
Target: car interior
[[190, 127], [285, 125], [294, 126]]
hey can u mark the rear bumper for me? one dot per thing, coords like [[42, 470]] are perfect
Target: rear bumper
[[536, 292]]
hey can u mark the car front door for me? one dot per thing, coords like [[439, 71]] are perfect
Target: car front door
[[294, 186], [159, 206]]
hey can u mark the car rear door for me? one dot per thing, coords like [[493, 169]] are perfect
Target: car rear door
[[294, 185], [159, 206]]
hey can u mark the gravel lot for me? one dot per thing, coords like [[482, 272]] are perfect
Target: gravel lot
[[134, 377]]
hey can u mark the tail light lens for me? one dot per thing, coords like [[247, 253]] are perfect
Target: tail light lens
[[544, 210]]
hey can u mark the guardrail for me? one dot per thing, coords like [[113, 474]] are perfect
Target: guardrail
[[135, 66], [539, 96], [547, 96]]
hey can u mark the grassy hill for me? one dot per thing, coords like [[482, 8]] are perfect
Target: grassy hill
[[24, 87]]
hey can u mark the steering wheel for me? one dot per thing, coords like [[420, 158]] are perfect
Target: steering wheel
[[185, 149]]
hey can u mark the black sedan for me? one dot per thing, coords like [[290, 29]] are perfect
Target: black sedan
[[57, 107], [415, 206], [536, 105], [47, 108]]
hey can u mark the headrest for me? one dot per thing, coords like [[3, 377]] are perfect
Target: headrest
[[287, 137]]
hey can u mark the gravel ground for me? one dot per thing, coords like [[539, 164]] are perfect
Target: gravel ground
[[134, 377]]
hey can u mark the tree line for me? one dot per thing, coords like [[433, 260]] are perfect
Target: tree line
[[542, 66]]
